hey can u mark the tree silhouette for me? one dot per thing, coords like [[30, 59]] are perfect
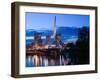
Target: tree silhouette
[[82, 45], [83, 34]]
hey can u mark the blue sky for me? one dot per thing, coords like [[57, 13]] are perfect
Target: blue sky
[[39, 21]]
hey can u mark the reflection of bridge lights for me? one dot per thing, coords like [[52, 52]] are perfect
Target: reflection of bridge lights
[[29, 59], [36, 60]]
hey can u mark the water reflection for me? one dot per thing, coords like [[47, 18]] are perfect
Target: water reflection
[[51, 60]]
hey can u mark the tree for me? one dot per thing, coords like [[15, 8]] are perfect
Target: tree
[[83, 34], [82, 45]]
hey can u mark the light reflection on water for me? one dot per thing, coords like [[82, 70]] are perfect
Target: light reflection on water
[[35, 61]]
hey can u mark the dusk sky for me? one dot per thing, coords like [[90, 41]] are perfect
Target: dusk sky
[[39, 21]]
